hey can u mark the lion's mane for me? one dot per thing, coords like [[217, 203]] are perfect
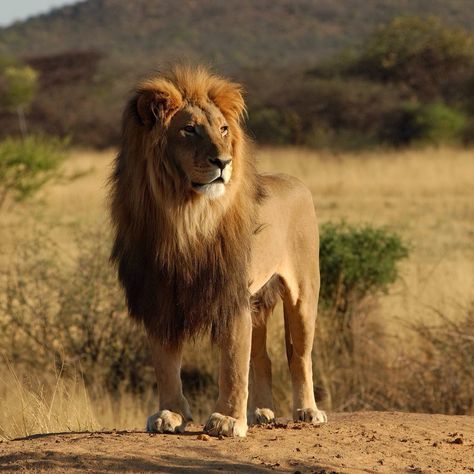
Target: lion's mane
[[182, 259]]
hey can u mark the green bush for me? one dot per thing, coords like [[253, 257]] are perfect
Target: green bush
[[420, 124], [26, 165], [356, 262]]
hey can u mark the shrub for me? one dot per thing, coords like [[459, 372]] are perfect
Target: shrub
[[419, 124], [356, 261], [27, 165], [438, 375], [438, 123], [72, 313]]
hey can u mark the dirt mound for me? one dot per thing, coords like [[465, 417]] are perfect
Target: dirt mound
[[349, 443]]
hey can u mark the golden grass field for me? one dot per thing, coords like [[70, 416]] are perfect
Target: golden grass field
[[425, 195]]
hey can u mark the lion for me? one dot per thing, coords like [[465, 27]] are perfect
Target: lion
[[204, 243]]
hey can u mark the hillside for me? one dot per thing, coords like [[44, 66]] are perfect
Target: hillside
[[91, 53], [349, 443], [230, 34]]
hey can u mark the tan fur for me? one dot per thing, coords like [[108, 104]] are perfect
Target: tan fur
[[202, 242]]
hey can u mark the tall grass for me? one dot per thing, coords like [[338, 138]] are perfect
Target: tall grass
[[39, 404]]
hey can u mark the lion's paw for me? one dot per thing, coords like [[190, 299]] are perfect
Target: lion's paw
[[311, 415], [263, 416], [166, 421], [221, 425]]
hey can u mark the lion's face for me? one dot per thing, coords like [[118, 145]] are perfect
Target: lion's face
[[200, 144], [194, 118]]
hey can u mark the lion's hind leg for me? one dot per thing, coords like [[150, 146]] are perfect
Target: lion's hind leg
[[261, 408], [300, 321]]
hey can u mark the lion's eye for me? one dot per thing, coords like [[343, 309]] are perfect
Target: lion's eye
[[189, 130], [224, 130]]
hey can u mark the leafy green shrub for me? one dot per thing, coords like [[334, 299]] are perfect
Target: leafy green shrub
[[419, 124], [26, 165], [357, 261], [438, 123], [424, 55]]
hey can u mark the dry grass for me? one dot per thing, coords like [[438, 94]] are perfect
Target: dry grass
[[29, 407], [51, 403], [427, 196]]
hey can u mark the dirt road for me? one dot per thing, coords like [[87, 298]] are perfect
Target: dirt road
[[350, 443]]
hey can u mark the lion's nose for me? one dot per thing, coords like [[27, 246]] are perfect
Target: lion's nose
[[221, 163]]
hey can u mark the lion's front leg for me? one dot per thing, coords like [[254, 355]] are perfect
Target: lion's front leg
[[230, 417], [173, 413]]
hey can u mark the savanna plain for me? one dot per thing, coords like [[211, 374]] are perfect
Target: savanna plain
[[72, 362]]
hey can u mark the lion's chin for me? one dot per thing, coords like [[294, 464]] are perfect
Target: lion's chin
[[212, 190]]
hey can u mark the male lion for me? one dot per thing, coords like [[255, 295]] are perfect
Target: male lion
[[204, 242]]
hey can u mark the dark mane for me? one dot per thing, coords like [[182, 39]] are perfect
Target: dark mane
[[177, 285]]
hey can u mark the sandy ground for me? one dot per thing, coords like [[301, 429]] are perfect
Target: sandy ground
[[350, 443]]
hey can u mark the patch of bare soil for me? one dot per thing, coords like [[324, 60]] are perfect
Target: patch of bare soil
[[350, 443]]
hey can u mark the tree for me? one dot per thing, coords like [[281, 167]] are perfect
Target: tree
[[17, 89], [430, 59]]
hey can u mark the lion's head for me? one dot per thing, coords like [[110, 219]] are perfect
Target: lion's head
[[189, 120], [184, 199]]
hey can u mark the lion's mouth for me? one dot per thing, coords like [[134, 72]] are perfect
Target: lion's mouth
[[219, 179]]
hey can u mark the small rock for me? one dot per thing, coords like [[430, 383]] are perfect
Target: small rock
[[203, 437]]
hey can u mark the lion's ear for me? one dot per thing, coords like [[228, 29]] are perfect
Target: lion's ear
[[228, 96], [156, 104]]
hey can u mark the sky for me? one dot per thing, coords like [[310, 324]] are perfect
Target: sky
[[12, 10]]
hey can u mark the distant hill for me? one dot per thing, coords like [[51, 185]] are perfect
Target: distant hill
[[231, 33], [90, 54]]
